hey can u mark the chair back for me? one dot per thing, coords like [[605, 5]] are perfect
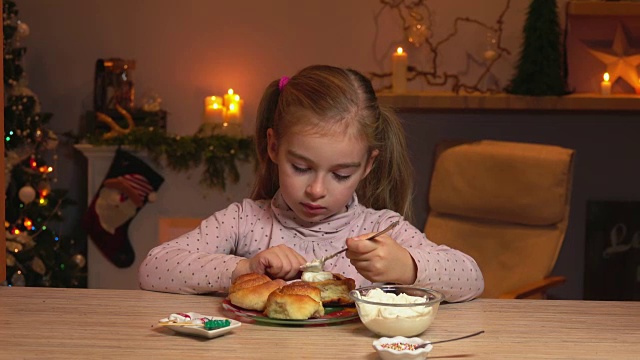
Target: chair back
[[506, 204]]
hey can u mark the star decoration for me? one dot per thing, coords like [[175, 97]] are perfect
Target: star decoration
[[621, 59]]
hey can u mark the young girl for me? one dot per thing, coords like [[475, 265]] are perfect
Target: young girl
[[333, 169]]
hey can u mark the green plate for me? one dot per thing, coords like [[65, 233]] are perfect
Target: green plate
[[332, 315]]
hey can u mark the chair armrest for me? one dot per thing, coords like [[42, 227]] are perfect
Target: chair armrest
[[538, 287]]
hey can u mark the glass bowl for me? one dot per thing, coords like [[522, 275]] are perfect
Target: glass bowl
[[396, 310]]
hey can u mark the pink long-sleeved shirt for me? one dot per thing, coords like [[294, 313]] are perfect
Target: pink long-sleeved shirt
[[203, 259]]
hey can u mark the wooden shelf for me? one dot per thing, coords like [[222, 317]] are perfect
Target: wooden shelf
[[602, 8], [438, 101]]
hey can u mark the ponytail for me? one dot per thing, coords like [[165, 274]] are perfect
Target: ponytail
[[266, 183], [389, 184]]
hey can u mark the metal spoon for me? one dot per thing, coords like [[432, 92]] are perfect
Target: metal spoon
[[442, 341], [317, 265]]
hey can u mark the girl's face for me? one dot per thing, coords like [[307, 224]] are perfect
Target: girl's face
[[319, 173]]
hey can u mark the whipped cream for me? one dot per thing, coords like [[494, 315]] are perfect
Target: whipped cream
[[314, 266], [396, 321], [313, 276]]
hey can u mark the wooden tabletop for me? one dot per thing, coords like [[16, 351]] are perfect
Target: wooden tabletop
[[47, 323]]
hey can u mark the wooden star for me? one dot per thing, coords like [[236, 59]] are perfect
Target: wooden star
[[621, 59]]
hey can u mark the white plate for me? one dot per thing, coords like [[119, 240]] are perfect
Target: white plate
[[198, 330]]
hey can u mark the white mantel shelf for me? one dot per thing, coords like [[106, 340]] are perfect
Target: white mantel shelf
[[447, 101]]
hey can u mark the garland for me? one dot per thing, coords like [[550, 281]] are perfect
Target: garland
[[219, 153]]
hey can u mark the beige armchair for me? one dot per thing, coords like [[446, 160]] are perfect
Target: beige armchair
[[506, 204]]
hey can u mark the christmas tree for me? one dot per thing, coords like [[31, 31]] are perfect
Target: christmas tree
[[36, 254], [540, 70]]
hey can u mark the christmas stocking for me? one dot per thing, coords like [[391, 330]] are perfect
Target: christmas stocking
[[127, 187]]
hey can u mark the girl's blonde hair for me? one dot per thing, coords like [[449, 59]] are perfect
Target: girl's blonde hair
[[338, 97]]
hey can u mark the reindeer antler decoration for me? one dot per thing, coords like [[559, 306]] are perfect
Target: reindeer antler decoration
[[116, 130]]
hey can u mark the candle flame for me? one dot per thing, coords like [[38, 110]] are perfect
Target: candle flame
[[232, 107], [215, 105], [399, 50], [230, 92], [606, 76]]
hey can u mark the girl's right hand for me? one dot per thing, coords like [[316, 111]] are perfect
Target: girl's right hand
[[279, 262]]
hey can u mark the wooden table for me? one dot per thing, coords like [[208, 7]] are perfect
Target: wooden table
[[46, 323]]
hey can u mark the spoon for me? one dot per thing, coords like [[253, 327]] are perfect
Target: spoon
[[442, 341], [317, 265]]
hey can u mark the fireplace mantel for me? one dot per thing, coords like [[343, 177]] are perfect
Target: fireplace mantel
[[181, 196], [448, 101]]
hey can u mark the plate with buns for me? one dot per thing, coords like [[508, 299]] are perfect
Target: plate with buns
[[258, 298]]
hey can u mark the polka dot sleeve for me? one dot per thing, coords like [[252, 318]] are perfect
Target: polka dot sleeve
[[439, 267], [199, 261]]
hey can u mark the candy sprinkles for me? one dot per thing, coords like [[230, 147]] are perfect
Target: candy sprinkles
[[184, 319], [399, 346]]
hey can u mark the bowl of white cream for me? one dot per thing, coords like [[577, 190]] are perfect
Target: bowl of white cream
[[396, 310]]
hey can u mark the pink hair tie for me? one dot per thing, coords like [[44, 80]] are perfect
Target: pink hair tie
[[283, 81]]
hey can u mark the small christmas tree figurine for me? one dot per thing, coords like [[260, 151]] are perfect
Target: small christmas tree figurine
[[540, 69], [36, 254]]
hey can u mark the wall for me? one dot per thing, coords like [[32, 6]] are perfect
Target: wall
[[193, 48], [604, 166]]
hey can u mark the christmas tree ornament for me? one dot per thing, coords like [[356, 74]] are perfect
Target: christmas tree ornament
[[14, 247], [79, 260], [23, 29], [490, 52], [11, 260], [17, 279], [122, 195], [38, 266], [27, 194]]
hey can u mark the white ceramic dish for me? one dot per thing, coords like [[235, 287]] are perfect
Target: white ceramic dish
[[392, 354], [198, 330]]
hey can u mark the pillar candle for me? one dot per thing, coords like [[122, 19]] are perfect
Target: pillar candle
[[605, 85], [213, 110], [399, 71], [233, 115]]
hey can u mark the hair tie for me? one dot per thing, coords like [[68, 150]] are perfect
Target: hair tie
[[283, 81]]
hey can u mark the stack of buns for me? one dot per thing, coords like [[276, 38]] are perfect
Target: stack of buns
[[299, 300], [250, 291], [296, 301]]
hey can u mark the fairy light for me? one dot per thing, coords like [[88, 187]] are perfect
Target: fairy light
[[16, 231], [27, 223]]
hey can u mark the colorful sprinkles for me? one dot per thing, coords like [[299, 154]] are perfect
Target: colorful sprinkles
[[399, 346]]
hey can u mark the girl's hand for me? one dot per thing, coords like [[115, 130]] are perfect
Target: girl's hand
[[279, 262], [381, 259]]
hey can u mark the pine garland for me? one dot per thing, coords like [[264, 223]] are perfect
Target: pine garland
[[218, 153]]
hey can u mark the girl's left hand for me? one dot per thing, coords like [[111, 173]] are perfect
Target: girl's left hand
[[381, 259]]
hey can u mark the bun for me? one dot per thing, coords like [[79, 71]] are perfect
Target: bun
[[250, 291], [295, 301], [336, 290]]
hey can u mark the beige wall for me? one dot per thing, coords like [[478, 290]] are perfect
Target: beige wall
[[188, 49]]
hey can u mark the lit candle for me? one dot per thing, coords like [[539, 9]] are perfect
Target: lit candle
[[213, 110], [399, 71], [605, 85], [233, 115]]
